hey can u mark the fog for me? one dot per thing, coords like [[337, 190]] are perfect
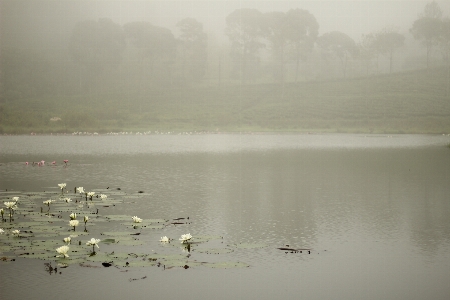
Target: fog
[[36, 23], [131, 50]]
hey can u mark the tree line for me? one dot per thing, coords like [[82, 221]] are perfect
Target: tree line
[[103, 56]]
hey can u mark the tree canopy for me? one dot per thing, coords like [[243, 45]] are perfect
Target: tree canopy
[[97, 44]]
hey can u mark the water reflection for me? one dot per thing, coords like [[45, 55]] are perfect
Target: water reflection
[[367, 207]]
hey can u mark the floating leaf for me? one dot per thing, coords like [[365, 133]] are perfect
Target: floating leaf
[[136, 263], [108, 241], [248, 246], [215, 250], [206, 238], [129, 243], [227, 265]]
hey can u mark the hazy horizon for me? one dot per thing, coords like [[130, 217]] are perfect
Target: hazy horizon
[[26, 23]]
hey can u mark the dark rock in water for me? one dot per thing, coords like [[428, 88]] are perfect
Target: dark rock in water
[[118, 189], [106, 264], [140, 192], [186, 267]]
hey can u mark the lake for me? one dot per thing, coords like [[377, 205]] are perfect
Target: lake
[[371, 211]]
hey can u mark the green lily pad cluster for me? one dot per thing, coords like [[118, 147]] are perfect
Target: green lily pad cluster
[[69, 228]]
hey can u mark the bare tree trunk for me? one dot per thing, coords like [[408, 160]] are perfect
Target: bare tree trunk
[[390, 62]]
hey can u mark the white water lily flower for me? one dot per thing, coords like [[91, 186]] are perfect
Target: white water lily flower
[[86, 218], [67, 240], [63, 251], [164, 239], [10, 205], [185, 237], [136, 219], [62, 185], [16, 232], [90, 194], [15, 199], [1, 231], [93, 242], [67, 200], [48, 202], [74, 223], [80, 190], [73, 216], [103, 196]]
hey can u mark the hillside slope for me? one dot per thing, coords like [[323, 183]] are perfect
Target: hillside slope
[[409, 102]]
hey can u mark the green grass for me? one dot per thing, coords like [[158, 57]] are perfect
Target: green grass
[[409, 102]]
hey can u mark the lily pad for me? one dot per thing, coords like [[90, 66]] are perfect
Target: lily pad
[[227, 265], [206, 238], [214, 250], [129, 243], [117, 233], [248, 246]]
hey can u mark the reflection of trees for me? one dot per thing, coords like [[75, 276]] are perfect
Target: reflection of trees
[[263, 193], [384, 195]]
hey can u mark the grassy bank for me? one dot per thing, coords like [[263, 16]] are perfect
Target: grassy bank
[[410, 102]]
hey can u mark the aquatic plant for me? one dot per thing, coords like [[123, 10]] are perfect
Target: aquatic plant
[[67, 200], [73, 223], [48, 202], [81, 191], [62, 186], [63, 251], [85, 219], [15, 199], [90, 195], [37, 248], [2, 211], [136, 219], [185, 238], [103, 196], [93, 242], [11, 206]]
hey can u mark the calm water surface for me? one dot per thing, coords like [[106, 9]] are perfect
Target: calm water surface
[[374, 209]]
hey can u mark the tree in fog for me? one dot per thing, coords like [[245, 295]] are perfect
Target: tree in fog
[[193, 47], [387, 41], [97, 45], [275, 26], [444, 41], [157, 49], [302, 32], [337, 44], [367, 51], [428, 28], [25, 73], [244, 29]]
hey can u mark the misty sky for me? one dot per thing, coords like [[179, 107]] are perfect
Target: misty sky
[[40, 23]]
